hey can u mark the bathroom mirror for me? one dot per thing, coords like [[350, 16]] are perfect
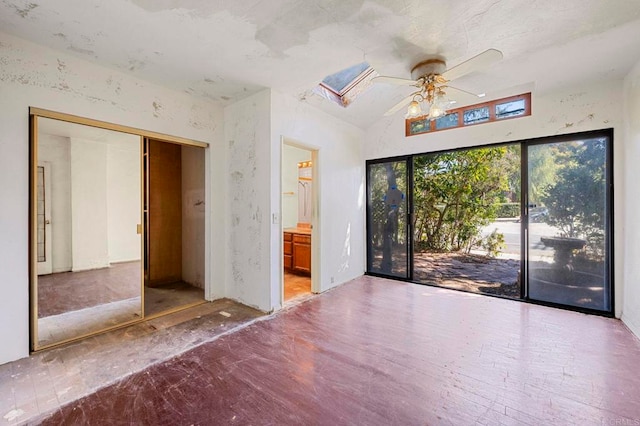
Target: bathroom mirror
[[305, 182], [86, 230]]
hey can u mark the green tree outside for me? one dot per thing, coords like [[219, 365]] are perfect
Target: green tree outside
[[456, 194]]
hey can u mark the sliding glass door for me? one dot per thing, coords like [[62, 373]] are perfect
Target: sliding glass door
[[528, 220], [387, 225], [466, 227], [568, 216]]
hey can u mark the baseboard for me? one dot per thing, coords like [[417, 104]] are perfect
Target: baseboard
[[631, 325]]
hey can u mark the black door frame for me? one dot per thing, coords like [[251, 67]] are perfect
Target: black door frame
[[524, 144], [408, 160], [609, 229]]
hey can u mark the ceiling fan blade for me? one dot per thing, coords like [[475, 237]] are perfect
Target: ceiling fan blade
[[462, 97], [395, 80], [403, 103], [477, 95], [476, 63]]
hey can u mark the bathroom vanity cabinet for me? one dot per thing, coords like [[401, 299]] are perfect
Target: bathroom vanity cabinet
[[297, 250]]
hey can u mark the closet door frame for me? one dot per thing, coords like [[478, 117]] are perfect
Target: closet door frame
[[34, 114]]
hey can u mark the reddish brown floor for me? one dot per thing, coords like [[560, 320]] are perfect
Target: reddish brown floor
[[71, 291], [296, 285], [381, 352]]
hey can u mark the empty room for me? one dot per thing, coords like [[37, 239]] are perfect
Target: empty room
[[295, 212]]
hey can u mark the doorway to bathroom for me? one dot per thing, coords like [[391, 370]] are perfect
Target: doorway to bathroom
[[298, 215]]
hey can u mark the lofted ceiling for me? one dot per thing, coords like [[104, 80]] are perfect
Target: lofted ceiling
[[225, 50]]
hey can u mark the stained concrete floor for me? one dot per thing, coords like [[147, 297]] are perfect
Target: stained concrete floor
[[170, 296], [49, 379]]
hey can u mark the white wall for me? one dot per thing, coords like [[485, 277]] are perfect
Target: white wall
[[32, 75], [254, 130], [339, 180], [123, 200], [193, 215], [56, 150], [572, 109], [247, 133], [291, 156], [630, 227]]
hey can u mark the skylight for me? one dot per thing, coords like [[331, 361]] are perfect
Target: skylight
[[343, 86]]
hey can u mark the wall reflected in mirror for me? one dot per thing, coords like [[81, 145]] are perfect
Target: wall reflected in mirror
[[88, 224]]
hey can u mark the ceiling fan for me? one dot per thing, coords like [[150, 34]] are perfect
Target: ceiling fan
[[431, 77]]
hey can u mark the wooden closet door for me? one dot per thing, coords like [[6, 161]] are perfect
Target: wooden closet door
[[164, 213]]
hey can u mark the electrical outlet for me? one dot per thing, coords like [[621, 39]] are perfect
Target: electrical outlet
[[332, 280]]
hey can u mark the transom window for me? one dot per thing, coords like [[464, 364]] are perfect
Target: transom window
[[487, 112]]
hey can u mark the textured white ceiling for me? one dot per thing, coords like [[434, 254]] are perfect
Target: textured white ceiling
[[225, 50]]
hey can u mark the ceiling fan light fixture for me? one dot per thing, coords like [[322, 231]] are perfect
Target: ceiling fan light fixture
[[438, 106], [436, 111], [414, 110], [431, 77]]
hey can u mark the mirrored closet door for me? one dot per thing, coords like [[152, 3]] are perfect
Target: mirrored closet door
[[86, 193], [117, 226]]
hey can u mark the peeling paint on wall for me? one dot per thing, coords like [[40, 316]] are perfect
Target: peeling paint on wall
[[572, 97], [117, 88], [247, 223], [32, 75], [86, 39], [157, 108], [82, 51], [201, 118], [26, 10], [135, 64]]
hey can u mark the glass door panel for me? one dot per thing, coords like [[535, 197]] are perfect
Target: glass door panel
[[466, 219], [567, 215], [388, 242]]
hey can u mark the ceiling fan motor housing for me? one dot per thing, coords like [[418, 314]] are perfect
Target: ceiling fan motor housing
[[430, 66]]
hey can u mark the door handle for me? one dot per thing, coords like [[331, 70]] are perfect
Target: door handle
[[47, 222]]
